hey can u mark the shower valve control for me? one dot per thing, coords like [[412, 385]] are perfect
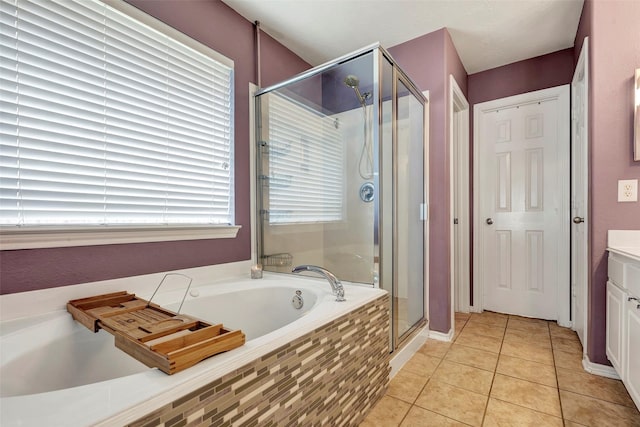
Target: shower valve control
[[367, 192]]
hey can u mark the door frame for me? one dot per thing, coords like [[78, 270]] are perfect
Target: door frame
[[562, 95], [459, 144], [581, 76], [425, 208]]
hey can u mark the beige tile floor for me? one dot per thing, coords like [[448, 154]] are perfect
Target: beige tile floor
[[502, 370]]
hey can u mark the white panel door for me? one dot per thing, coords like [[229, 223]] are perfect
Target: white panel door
[[579, 194], [521, 196]]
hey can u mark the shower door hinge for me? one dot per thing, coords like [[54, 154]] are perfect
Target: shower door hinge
[[424, 212]]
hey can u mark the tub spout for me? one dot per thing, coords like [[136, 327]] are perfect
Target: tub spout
[[336, 286]]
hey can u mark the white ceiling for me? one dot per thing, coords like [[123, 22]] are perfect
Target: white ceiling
[[486, 33]]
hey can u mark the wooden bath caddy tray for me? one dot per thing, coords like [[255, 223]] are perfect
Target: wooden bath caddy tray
[[154, 335]]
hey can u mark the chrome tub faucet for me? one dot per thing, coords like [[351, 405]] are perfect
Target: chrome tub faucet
[[336, 285]]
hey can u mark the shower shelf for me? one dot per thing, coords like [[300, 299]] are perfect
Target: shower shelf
[[277, 260], [152, 334]]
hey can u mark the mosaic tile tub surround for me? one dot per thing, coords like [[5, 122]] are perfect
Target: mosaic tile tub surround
[[331, 376]]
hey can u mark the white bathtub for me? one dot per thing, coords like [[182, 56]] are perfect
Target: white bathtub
[[55, 372]]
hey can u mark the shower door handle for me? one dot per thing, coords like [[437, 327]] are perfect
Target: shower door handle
[[489, 221]]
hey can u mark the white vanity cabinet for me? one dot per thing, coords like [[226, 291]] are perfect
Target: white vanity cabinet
[[632, 348], [616, 306], [623, 308]]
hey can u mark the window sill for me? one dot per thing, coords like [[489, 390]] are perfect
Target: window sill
[[57, 237]]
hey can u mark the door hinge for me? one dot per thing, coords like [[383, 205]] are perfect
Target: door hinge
[[455, 221]]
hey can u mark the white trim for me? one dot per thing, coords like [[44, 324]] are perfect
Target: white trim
[[58, 237], [37, 237], [459, 125], [407, 351], [598, 369], [441, 336], [582, 74], [562, 94], [565, 323], [475, 308], [156, 24]]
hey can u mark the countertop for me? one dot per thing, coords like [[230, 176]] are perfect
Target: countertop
[[624, 242]]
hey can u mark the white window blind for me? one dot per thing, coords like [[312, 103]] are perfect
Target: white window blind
[[306, 164], [105, 120]]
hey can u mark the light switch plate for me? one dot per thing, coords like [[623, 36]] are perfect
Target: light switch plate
[[628, 190]]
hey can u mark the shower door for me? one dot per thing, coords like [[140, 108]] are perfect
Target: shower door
[[402, 195], [409, 203]]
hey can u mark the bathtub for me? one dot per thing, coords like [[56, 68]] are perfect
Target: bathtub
[[55, 372]]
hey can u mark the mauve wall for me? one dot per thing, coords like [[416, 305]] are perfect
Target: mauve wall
[[614, 37], [454, 66], [218, 26], [429, 60], [542, 72]]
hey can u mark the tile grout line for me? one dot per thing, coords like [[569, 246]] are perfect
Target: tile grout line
[[533, 382], [527, 408], [455, 338], [413, 403], [555, 370], [465, 328], [551, 334], [495, 371], [590, 396], [427, 383]]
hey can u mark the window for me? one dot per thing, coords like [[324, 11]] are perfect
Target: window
[[109, 121], [306, 164]]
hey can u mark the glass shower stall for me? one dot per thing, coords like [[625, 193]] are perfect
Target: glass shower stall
[[341, 171]]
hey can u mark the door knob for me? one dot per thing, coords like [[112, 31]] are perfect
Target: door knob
[[577, 220], [489, 221]]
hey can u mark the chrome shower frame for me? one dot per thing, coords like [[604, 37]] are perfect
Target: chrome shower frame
[[383, 264]]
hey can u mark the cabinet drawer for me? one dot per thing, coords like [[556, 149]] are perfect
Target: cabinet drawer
[[632, 278], [616, 271]]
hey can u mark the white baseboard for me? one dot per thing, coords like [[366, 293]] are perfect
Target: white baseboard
[[567, 324], [441, 336], [408, 350], [598, 369]]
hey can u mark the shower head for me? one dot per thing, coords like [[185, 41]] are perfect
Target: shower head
[[353, 82]]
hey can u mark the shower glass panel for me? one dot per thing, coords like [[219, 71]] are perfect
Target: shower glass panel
[[316, 177], [409, 203], [340, 178]]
